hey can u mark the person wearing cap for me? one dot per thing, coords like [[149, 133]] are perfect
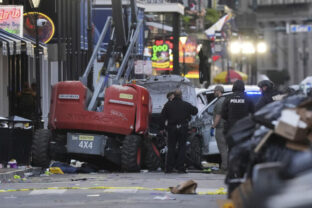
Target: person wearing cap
[[236, 106], [178, 113], [268, 93], [218, 125]]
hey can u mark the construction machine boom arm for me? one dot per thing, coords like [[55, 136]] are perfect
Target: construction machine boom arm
[[121, 47]]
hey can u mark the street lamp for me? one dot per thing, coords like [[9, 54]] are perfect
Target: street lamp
[[235, 47], [183, 41], [35, 5], [249, 48], [262, 47]]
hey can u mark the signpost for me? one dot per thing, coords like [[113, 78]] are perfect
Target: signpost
[[11, 19], [299, 28]]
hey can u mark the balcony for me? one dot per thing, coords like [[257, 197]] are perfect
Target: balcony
[[156, 6], [277, 2]]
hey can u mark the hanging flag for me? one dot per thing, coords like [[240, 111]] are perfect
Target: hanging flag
[[210, 32]]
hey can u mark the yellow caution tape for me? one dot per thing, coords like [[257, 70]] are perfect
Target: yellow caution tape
[[220, 191]]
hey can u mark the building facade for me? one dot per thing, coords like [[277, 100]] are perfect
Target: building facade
[[285, 26], [290, 49]]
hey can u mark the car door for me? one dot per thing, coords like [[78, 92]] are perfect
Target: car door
[[204, 121]]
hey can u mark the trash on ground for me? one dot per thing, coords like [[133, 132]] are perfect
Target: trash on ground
[[166, 197], [28, 174], [79, 179], [206, 164], [56, 170], [12, 163], [65, 168], [207, 170], [187, 187], [17, 177]]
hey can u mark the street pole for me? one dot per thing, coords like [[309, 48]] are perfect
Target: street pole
[[184, 59], [176, 36], [38, 87]]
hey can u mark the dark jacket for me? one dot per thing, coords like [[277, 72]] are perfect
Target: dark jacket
[[236, 107], [267, 97], [178, 111]]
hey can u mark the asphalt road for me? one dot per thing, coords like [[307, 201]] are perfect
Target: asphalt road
[[111, 190]]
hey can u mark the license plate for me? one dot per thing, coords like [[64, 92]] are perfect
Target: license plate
[[86, 143]]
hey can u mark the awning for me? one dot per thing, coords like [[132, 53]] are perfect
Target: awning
[[12, 44], [159, 26]]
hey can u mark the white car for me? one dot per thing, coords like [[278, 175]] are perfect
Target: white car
[[203, 121]]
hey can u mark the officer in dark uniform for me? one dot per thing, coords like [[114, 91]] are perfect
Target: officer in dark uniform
[[236, 106], [178, 114], [268, 93]]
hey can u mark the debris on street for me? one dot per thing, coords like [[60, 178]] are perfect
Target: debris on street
[[268, 151], [187, 187], [166, 197]]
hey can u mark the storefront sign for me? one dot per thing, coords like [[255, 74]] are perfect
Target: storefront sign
[[189, 50], [143, 67], [11, 19], [162, 55], [45, 31]]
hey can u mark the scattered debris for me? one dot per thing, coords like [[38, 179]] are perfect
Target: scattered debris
[[188, 187], [17, 177], [93, 195], [79, 179], [12, 163], [65, 168], [166, 197], [56, 170]]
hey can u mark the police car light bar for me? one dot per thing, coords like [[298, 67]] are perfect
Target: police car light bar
[[253, 93]]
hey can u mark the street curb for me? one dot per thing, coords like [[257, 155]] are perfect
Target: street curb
[[6, 177]]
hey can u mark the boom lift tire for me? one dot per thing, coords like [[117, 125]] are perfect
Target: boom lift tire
[[58, 149], [40, 148], [131, 153], [194, 152], [152, 156]]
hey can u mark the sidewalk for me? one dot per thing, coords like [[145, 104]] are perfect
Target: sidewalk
[[7, 174]]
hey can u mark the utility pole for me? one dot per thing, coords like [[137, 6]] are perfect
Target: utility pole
[[176, 36]]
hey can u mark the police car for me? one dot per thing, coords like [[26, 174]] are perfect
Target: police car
[[206, 102]]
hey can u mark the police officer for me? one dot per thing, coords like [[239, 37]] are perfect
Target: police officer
[[178, 113], [268, 93], [236, 106], [218, 125]]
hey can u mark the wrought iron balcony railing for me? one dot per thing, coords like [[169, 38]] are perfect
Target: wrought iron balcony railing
[[277, 2]]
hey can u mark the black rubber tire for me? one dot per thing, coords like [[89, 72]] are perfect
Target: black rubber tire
[[57, 150], [131, 153], [152, 159], [194, 152], [40, 148]]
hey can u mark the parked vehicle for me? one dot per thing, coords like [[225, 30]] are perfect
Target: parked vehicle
[[158, 87], [108, 125], [203, 121]]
